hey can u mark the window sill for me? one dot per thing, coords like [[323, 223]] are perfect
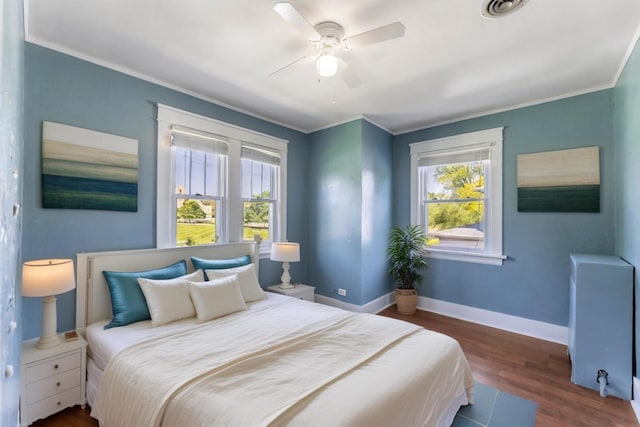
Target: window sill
[[478, 258]]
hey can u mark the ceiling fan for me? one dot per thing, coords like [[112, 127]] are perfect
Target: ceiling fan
[[328, 40]]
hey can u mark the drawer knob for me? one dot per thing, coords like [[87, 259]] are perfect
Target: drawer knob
[[58, 384], [59, 403], [56, 366]]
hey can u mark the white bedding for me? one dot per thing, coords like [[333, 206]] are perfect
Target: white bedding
[[106, 343], [393, 373]]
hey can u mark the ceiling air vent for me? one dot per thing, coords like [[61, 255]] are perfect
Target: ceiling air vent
[[499, 8]]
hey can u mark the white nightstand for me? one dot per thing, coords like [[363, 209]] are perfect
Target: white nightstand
[[304, 292], [52, 379]]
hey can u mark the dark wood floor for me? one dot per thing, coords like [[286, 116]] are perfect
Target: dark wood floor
[[534, 369]]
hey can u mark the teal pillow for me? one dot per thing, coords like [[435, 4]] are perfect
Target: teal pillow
[[128, 304], [219, 264]]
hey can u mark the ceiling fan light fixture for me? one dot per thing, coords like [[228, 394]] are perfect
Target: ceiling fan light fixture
[[327, 65]]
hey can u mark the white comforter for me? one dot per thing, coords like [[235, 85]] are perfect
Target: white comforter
[[287, 363]]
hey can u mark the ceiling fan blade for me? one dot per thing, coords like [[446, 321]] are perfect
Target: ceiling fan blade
[[347, 75], [292, 64], [376, 35], [296, 20]]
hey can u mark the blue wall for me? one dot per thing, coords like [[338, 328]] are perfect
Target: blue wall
[[627, 135], [334, 221], [63, 89], [534, 281], [377, 219], [350, 210]]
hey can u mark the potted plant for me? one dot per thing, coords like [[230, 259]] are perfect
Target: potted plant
[[406, 251]]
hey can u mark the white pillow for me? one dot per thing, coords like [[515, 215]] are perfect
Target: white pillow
[[216, 298], [169, 299], [251, 290]]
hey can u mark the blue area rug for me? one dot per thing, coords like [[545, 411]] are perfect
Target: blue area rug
[[496, 408]]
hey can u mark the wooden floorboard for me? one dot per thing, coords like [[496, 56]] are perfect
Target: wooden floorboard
[[534, 369]]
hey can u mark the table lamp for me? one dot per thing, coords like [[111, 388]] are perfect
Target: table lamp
[[286, 252], [47, 278]]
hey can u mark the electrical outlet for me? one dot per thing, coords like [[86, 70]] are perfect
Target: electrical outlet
[[342, 292]]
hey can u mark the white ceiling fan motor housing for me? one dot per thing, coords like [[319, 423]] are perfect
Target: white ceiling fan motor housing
[[331, 34]]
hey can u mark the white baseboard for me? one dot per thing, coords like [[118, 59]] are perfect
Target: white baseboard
[[519, 325], [507, 322], [375, 306], [635, 402]]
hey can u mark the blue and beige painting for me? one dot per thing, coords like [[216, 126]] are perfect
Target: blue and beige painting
[[85, 169], [559, 181]]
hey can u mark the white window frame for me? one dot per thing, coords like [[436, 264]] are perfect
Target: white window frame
[[273, 203], [234, 209], [491, 139]]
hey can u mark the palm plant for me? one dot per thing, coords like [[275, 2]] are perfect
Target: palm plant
[[406, 251]]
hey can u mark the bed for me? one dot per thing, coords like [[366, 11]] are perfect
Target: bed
[[275, 361]]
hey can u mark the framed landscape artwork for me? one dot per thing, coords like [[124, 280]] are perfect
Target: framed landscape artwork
[[85, 169], [559, 181]]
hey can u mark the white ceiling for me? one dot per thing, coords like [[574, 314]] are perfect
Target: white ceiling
[[452, 63]]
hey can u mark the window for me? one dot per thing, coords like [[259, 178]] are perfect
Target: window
[[199, 163], [218, 182], [260, 184], [456, 195]]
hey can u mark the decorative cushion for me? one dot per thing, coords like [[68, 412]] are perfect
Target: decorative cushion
[[216, 264], [169, 300], [249, 285], [216, 298], [128, 304]]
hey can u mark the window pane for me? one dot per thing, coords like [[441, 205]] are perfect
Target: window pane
[[455, 181], [182, 171], [212, 176], [456, 224], [257, 220], [195, 222], [198, 173], [258, 180]]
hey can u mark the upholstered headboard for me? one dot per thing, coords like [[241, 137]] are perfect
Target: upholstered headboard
[[92, 294]]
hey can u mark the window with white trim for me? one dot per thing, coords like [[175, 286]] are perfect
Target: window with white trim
[[200, 163], [260, 186], [218, 182], [456, 195]]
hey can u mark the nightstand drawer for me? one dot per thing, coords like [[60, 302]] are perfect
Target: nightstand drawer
[[53, 366], [54, 404], [299, 291], [51, 386], [307, 295]]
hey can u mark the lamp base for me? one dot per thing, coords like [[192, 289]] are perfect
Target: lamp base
[[48, 342], [49, 337], [286, 278]]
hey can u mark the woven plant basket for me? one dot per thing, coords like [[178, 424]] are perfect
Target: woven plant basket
[[406, 301]]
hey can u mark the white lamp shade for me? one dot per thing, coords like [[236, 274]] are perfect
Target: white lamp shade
[[45, 277], [327, 65], [285, 251]]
